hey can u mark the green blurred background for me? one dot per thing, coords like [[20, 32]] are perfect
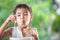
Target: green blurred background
[[45, 18]]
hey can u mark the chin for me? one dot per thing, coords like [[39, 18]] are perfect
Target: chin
[[24, 26]]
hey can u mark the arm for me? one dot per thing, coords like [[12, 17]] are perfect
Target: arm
[[3, 27], [11, 18], [35, 36], [7, 33]]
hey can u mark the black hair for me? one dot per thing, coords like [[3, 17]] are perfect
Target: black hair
[[22, 6]]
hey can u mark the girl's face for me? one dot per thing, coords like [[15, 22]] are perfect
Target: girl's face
[[23, 17]]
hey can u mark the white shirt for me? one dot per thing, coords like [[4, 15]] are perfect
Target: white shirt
[[16, 33]]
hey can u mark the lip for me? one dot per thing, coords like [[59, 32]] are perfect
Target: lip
[[23, 22]]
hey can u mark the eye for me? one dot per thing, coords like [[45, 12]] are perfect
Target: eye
[[25, 14], [19, 15]]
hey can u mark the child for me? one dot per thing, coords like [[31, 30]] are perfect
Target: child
[[22, 16]]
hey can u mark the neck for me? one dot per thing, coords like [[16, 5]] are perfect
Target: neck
[[21, 27]]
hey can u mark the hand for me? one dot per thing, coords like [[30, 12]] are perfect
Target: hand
[[27, 32], [11, 18]]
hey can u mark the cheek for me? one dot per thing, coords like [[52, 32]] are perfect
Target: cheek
[[18, 20], [28, 20]]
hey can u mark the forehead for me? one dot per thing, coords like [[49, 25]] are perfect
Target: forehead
[[21, 10]]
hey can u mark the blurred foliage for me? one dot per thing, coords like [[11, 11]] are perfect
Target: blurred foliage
[[56, 24]]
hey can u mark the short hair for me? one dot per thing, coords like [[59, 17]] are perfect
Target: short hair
[[22, 6]]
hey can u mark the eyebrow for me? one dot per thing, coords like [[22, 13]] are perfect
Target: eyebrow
[[18, 13], [25, 12]]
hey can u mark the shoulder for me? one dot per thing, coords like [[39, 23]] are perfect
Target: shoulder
[[9, 30]]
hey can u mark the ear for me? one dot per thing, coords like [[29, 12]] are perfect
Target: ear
[[15, 18], [31, 18]]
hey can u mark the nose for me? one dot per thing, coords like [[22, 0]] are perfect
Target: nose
[[22, 16]]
